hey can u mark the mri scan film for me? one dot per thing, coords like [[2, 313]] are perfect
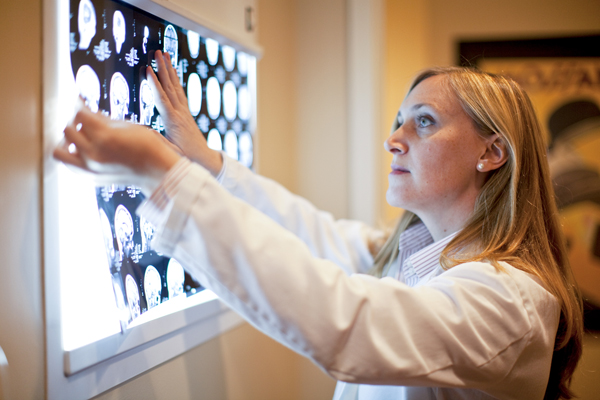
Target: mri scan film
[[112, 44]]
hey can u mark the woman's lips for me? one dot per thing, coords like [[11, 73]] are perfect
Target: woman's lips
[[398, 170]]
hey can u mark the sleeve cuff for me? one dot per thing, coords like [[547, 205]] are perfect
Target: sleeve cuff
[[223, 171], [156, 208], [231, 173]]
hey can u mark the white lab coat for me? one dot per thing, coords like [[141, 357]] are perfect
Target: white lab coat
[[468, 332]]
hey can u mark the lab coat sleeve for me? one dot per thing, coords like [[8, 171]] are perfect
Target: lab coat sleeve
[[345, 242], [468, 326]]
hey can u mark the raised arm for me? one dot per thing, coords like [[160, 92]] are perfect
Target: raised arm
[[348, 243], [344, 242]]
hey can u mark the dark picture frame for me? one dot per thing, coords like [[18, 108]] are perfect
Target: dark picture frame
[[471, 53]]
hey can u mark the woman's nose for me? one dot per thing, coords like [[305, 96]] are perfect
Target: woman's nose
[[395, 143]]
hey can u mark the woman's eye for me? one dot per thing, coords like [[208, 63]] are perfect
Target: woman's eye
[[424, 121]]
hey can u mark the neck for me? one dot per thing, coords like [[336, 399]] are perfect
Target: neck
[[443, 224]]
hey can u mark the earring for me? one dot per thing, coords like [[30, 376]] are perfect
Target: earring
[[480, 166]]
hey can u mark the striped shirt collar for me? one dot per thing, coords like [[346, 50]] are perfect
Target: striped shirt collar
[[419, 254]]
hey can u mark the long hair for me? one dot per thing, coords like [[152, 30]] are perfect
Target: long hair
[[515, 218]]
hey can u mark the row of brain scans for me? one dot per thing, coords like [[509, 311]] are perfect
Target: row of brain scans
[[113, 42]]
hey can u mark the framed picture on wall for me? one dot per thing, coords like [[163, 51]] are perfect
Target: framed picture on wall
[[562, 78]]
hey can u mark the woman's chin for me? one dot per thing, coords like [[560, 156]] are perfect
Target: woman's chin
[[394, 200]]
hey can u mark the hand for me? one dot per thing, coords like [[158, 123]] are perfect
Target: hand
[[181, 128], [115, 151]]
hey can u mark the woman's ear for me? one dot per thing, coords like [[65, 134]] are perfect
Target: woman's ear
[[495, 154]]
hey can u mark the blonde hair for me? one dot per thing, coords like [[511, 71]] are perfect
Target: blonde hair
[[515, 218]]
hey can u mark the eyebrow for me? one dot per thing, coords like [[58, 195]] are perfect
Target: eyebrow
[[421, 105], [416, 107]]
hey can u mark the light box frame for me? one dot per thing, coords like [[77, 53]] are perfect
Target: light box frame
[[92, 369]]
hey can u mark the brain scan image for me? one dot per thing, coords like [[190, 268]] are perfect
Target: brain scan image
[[213, 97], [146, 103], [86, 23], [175, 278], [152, 286], [147, 234], [119, 29], [124, 231], [88, 85], [245, 149], [119, 97], [194, 94], [214, 140], [133, 297], [193, 43], [145, 40], [244, 103], [228, 58], [171, 43], [230, 144], [242, 61], [212, 51], [229, 101], [108, 237]]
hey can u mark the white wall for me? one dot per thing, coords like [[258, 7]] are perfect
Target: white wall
[[320, 99], [321, 103]]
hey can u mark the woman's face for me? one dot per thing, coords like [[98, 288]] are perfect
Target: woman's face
[[435, 151]]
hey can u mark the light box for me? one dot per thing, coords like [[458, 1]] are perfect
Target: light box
[[114, 306]]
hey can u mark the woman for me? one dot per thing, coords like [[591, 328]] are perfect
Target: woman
[[477, 299]]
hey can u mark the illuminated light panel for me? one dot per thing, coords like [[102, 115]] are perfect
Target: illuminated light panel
[[90, 313]]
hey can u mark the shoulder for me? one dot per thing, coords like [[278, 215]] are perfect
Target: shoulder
[[487, 274], [508, 285]]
